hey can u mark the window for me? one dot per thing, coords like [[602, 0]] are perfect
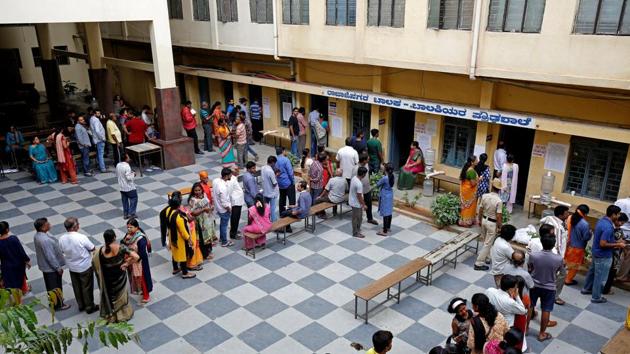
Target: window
[[227, 11], [295, 12], [341, 12], [451, 14], [595, 168], [13, 53], [458, 142], [389, 13], [261, 11], [516, 15], [175, 9], [603, 17], [287, 102], [62, 59], [201, 10], [37, 56]]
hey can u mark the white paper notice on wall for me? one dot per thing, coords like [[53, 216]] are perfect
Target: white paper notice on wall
[[287, 108], [420, 128], [266, 107], [424, 140], [335, 127], [431, 127], [556, 157], [479, 149]]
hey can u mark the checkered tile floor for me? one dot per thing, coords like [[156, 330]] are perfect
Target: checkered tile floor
[[296, 298]]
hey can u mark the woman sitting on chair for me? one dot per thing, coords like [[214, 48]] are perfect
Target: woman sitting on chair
[[414, 165]]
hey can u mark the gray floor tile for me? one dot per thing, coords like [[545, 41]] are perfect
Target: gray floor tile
[[225, 282], [582, 338], [421, 337], [176, 283], [261, 336], [207, 337], [395, 261], [155, 336], [428, 243], [566, 312], [266, 307], [91, 201], [10, 213], [392, 244], [315, 244], [315, 283], [356, 262], [450, 283], [315, 307], [232, 261], [314, 336], [356, 281], [270, 282], [412, 307], [274, 261], [362, 334], [315, 262], [168, 307], [24, 201], [353, 244], [217, 307], [609, 310]]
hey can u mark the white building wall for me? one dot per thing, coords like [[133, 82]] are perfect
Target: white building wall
[[24, 38]]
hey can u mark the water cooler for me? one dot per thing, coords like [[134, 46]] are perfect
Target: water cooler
[[427, 185]]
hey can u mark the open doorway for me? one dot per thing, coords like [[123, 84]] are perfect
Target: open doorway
[[403, 123], [255, 95], [361, 116], [180, 81], [228, 92], [321, 103], [519, 142]]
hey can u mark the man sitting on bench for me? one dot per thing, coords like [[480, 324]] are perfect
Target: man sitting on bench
[[334, 192], [303, 207]]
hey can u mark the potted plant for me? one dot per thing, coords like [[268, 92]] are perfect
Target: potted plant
[[445, 209], [374, 178], [69, 87]]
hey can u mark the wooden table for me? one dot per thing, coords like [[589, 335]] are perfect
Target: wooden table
[[535, 202], [443, 178], [146, 149], [275, 134]]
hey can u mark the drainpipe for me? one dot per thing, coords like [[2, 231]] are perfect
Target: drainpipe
[[474, 48], [274, 4]]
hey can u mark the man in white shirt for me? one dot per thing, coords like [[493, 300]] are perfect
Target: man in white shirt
[[355, 200], [624, 205], [237, 200], [506, 299], [77, 250], [559, 222], [348, 158], [222, 204], [501, 252], [500, 157], [517, 268], [128, 191]]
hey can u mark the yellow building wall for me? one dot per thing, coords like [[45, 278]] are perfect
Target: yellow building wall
[[216, 92], [537, 170], [136, 87]]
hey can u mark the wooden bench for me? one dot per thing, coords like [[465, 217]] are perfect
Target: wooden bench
[[253, 237], [437, 179], [448, 253], [618, 344], [280, 226], [316, 209], [388, 281]]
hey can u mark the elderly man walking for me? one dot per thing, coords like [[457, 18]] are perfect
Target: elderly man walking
[[77, 248]]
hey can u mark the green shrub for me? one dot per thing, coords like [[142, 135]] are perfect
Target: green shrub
[[374, 178], [21, 332], [445, 209], [505, 215], [295, 160]]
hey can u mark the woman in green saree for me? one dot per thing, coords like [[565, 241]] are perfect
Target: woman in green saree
[[414, 165]]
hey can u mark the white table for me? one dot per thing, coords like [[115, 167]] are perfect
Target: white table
[[144, 149]]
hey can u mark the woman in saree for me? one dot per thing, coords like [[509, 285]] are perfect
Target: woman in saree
[[139, 272], [259, 223], [42, 164], [202, 210], [413, 166], [110, 263], [65, 160], [468, 193], [328, 167], [226, 149], [214, 118], [509, 179], [195, 259], [579, 234]]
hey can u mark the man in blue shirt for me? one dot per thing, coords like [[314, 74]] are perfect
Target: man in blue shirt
[[286, 182], [250, 187], [98, 136], [603, 245], [303, 207], [84, 142]]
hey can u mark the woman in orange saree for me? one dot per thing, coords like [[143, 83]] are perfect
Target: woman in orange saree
[[468, 193]]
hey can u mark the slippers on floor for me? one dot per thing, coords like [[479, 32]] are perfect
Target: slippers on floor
[[552, 324], [546, 337]]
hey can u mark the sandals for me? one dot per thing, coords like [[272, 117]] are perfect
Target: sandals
[[552, 324], [547, 336], [189, 276], [560, 302], [176, 271], [227, 244]]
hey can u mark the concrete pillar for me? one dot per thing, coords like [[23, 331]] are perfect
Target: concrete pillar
[[50, 68], [178, 150], [485, 130], [100, 78]]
